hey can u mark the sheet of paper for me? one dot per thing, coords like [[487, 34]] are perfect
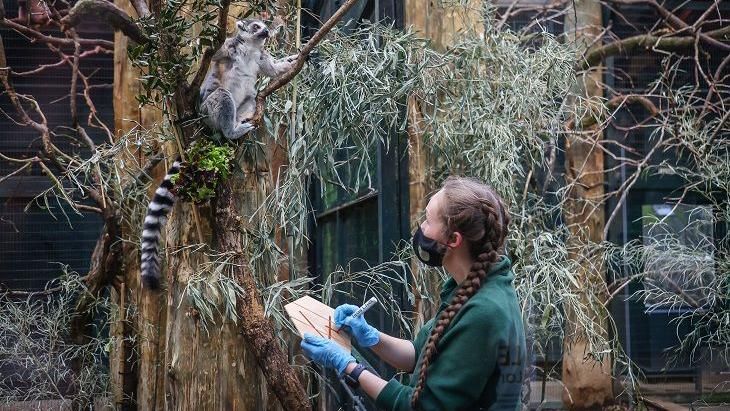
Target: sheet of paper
[[314, 317]]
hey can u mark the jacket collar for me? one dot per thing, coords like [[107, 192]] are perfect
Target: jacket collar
[[501, 267]]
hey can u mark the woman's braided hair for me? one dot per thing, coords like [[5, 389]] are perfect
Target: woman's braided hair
[[473, 209]]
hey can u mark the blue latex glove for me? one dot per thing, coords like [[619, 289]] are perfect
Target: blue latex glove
[[365, 334], [326, 353]]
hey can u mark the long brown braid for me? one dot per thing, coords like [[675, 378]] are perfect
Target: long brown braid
[[473, 209]]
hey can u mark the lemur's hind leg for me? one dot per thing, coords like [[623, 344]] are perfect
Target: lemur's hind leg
[[247, 108], [221, 115]]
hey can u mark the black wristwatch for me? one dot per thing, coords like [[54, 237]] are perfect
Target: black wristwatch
[[352, 379]]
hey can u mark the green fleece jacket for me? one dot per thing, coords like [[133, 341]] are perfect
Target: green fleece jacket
[[480, 357]]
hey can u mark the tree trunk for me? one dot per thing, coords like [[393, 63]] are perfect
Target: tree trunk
[[137, 362], [418, 189], [208, 367], [179, 364], [238, 199], [439, 21], [587, 381]]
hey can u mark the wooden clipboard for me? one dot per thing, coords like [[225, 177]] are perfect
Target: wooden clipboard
[[314, 317]]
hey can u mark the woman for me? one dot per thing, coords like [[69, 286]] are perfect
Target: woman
[[471, 354]]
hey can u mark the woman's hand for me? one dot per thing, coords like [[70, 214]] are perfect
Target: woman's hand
[[326, 353], [365, 334]]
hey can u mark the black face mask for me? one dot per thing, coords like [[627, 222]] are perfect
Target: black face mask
[[428, 250]]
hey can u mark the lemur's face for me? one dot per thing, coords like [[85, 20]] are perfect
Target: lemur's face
[[252, 30]]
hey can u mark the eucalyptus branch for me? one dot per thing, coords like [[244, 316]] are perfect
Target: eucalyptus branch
[[303, 54], [717, 130], [6, 292], [107, 11], [143, 176], [615, 103]]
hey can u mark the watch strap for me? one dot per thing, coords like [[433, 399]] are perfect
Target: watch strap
[[353, 379]]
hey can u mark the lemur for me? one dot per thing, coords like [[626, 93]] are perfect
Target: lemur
[[227, 100], [228, 94]]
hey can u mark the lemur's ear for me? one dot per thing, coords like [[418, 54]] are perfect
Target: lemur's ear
[[242, 24]]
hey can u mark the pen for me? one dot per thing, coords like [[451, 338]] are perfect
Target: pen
[[360, 311]]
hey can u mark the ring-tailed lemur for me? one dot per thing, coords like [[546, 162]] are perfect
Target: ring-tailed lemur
[[154, 220], [228, 94], [227, 99]]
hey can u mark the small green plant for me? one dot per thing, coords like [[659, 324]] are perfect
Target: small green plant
[[215, 158], [208, 164]]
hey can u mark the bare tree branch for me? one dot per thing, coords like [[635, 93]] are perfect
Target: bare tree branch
[[645, 41], [74, 77], [678, 23], [107, 11], [38, 36], [716, 80], [64, 60]]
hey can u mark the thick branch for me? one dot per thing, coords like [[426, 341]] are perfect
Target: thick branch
[[676, 22], [106, 263], [254, 326], [303, 54], [646, 41], [220, 37], [140, 6], [112, 14]]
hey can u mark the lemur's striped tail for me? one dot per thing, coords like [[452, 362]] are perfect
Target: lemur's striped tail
[[157, 211]]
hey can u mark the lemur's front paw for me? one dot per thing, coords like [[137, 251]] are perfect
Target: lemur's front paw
[[292, 58], [248, 126]]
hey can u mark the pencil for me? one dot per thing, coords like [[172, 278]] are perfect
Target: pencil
[[310, 323]]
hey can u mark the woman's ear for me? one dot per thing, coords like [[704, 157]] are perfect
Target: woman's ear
[[455, 240]]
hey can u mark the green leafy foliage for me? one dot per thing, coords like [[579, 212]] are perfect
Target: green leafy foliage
[[208, 164]]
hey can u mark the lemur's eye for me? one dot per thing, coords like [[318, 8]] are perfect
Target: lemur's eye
[[256, 27]]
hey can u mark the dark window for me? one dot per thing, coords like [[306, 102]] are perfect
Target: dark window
[[360, 229], [648, 331]]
